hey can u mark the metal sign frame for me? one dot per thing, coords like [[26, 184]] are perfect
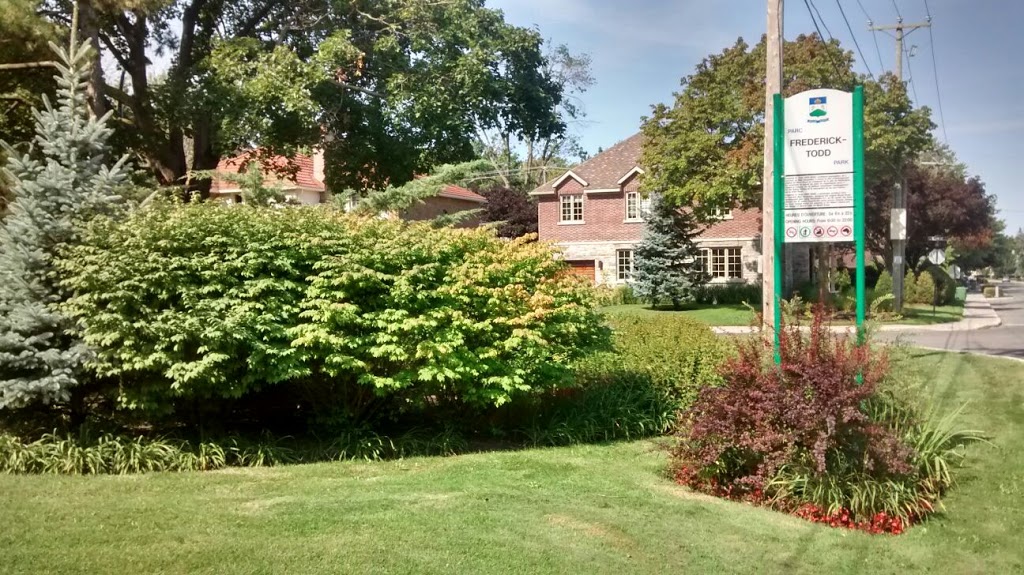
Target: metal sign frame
[[778, 111]]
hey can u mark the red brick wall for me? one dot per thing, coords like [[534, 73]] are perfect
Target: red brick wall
[[744, 224], [603, 214], [435, 206]]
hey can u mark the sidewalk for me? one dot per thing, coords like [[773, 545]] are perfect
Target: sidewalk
[[978, 314]]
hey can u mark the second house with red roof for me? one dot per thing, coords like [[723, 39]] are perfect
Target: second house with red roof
[[300, 179]]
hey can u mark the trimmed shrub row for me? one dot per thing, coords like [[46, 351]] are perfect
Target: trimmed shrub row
[[196, 302]]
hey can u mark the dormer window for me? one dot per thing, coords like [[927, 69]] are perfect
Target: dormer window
[[571, 208], [637, 207], [721, 214]]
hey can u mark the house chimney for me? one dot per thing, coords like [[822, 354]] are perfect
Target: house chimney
[[318, 165]]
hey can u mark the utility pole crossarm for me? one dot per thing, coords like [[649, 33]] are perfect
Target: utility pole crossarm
[[908, 27], [899, 191]]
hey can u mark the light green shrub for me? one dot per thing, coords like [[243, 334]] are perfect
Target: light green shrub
[[925, 291], [202, 301], [678, 354], [910, 292], [884, 285]]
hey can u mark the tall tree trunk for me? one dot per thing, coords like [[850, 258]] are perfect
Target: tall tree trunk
[[90, 31]]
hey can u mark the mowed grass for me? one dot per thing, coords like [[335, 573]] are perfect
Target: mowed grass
[[741, 315], [589, 509], [707, 313]]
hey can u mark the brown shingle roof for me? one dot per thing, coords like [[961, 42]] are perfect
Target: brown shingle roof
[[460, 193], [604, 170]]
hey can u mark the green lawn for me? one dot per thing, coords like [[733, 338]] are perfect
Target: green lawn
[[591, 509], [731, 315]]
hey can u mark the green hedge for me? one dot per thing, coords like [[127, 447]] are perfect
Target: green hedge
[[728, 294], [202, 301], [678, 354]]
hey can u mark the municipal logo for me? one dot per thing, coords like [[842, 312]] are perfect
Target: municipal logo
[[818, 111]]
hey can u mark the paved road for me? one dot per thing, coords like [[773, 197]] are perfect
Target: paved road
[[1007, 340]]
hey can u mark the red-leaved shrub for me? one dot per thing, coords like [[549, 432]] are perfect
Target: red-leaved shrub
[[805, 421]]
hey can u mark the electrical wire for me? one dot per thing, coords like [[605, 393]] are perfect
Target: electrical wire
[[935, 73], [910, 74], [874, 35], [856, 44], [828, 46], [900, 16]]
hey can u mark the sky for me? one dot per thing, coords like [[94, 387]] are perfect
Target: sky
[[641, 48]]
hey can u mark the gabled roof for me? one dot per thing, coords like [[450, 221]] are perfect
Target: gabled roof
[[605, 170], [460, 193]]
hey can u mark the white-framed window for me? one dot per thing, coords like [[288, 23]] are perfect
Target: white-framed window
[[624, 264], [722, 263], [637, 206], [571, 207], [721, 214]]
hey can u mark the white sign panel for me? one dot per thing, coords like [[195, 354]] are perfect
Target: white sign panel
[[937, 257], [818, 159]]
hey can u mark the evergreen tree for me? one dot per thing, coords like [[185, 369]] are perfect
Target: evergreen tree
[[884, 284], [667, 266], [58, 183], [910, 287], [925, 291]]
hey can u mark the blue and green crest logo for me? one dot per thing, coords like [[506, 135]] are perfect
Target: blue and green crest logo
[[819, 109]]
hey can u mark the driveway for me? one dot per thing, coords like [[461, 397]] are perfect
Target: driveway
[[1006, 340]]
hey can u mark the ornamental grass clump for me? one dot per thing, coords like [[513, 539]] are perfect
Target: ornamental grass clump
[[822, 435]]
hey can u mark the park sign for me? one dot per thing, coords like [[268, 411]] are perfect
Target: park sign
[[818, 164], [818, 180]]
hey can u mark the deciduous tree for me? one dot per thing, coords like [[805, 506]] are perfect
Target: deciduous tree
[[706, 149], [513, 208], [390, 88]]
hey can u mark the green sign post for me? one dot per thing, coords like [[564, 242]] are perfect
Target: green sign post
[[819, 179]]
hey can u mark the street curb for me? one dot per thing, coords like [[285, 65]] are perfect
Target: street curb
[[966, 352]]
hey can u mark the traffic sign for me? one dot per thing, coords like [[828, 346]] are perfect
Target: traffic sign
[[937, 256]]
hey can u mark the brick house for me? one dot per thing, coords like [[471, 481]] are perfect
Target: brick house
[[301, 179], [595, 214]]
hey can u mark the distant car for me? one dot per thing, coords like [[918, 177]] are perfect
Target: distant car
[[1006, 279]]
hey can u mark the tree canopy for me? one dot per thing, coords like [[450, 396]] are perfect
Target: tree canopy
[[706, 149], [24, 73], [389, 88]]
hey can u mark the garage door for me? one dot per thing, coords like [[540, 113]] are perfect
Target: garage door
[[582, 268]]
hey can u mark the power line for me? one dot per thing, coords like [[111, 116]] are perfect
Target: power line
[[828, 46], [856, 44], [910, 75], [935, 74], [874, 35], [898, 15], [827, 31]]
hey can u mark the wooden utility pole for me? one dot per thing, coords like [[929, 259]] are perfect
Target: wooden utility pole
[[773, 85], [898, 216]]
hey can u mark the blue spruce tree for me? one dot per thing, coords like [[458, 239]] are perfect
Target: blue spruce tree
[[667, 265], [56, 185]]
